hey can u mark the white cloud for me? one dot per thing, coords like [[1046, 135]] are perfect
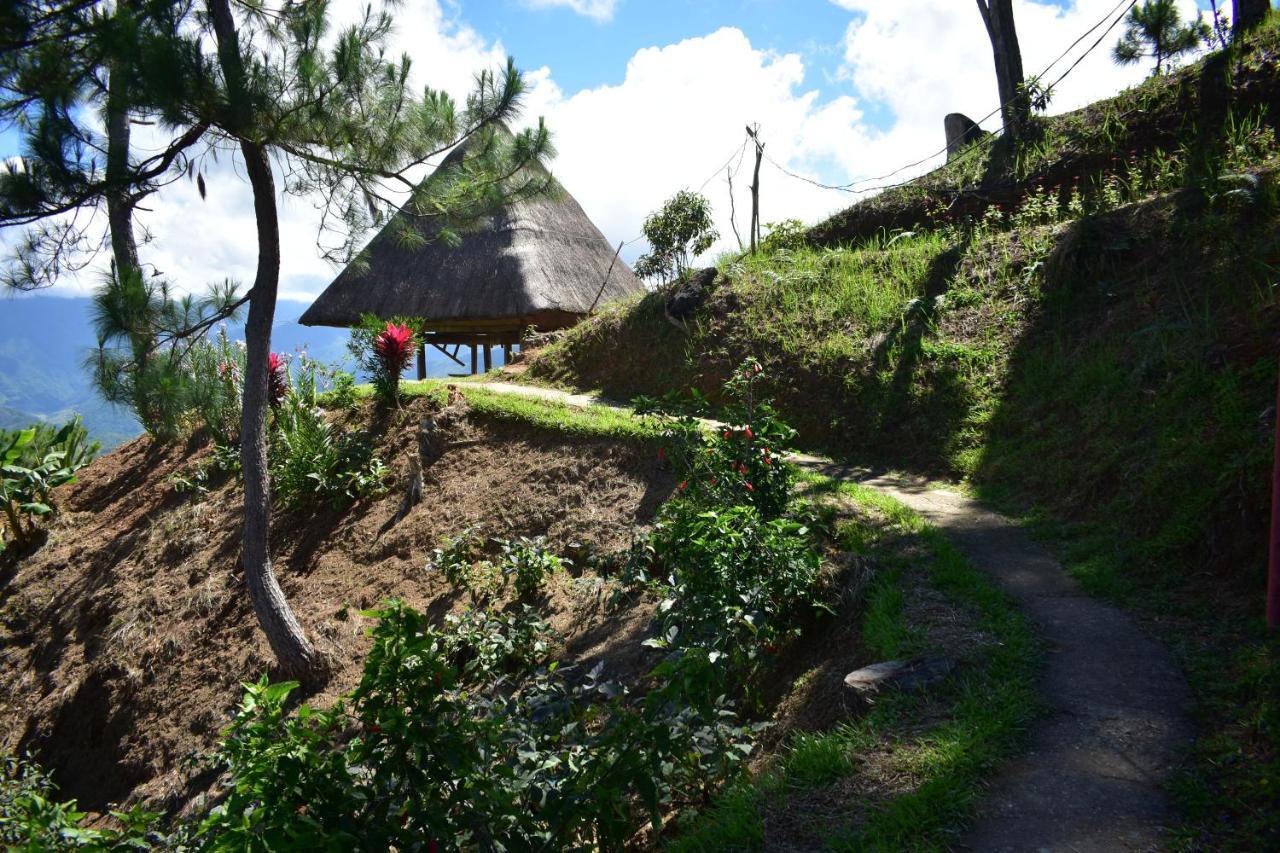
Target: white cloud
[[598, 10], [674, 119]]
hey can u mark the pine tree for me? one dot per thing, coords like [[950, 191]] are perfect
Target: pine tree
[[341, 122], [1155, 29]]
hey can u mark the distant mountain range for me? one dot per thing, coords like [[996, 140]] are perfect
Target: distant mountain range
[[44, 341]]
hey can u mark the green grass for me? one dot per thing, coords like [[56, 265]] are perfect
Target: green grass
[[593, 421], [980, 715]]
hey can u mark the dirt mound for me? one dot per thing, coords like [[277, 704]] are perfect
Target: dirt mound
[[126, 636]]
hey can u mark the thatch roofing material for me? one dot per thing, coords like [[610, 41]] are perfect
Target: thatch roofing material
[[539, 262]]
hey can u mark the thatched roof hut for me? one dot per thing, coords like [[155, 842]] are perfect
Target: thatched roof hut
[[539, 263]]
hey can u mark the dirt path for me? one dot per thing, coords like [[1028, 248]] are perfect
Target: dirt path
[[1118, 706]]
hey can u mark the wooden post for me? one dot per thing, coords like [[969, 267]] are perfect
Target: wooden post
[[488, 358], [422, 362], [474, 369], [506, 353]]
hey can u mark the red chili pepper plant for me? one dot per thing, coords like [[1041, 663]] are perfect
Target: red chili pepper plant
[[741, 464]]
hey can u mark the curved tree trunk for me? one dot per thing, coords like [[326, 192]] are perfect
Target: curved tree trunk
[[294, 652], [1015, 106], [1247, 14]]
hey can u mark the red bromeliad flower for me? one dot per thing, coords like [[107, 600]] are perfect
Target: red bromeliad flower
[[748, 433], [394, 349], [728, 434], [684, 484], [750, 488], [277, 378], [742, 468]]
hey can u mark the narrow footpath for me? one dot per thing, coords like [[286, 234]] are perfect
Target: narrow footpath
[[1118, 721]]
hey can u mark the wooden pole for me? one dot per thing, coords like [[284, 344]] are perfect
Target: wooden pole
[[488, 358], [754, 133], [474, 369], [506, 353], [422, 362]]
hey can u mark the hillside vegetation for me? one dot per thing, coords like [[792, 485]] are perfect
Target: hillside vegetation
[[1084, 331]]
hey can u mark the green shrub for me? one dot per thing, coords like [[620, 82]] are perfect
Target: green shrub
[[32, 818], [310, 462], [529, 563], [452, 739], [34, 462], [732, 581], [743, 463]]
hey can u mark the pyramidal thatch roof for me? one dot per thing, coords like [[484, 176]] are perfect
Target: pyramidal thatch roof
[[540, 262]]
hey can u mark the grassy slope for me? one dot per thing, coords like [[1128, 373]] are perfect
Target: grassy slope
[[1105, 366]]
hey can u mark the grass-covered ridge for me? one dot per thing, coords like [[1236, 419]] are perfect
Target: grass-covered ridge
[[1097, 355]]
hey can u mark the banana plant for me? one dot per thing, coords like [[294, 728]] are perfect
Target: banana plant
[[25, 488]]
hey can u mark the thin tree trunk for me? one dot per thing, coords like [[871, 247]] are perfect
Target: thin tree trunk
[[1015, 107], [293, 651], [755, 189], [120, 202], [1247, 14]]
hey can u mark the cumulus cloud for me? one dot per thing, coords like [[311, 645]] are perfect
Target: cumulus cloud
[[599, 10], [676, 120]]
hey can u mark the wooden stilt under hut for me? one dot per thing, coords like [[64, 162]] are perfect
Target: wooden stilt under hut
[[540, 264]]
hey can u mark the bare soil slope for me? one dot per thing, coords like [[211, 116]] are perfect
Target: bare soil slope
[[125, 637]]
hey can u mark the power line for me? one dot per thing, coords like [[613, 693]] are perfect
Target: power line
[[725, 165], [850, 187]]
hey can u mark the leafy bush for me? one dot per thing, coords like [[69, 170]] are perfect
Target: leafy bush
[[310, 463], [32, 818], [529, 563], [455, 557], [34, 462], [787, 235], [744, 463], [732, 582], [441, 744]]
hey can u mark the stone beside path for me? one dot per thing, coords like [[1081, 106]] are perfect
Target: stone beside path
[[1118, 722]]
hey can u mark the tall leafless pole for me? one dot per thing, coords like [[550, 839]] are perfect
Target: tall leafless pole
[[754, 132]]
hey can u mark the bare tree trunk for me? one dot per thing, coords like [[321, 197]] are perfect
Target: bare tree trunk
[[293, 651], [120, 202], [1015, 106], [1247, 14], [754, 133]]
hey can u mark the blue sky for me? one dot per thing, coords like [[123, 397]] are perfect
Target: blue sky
[[649, 98]]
